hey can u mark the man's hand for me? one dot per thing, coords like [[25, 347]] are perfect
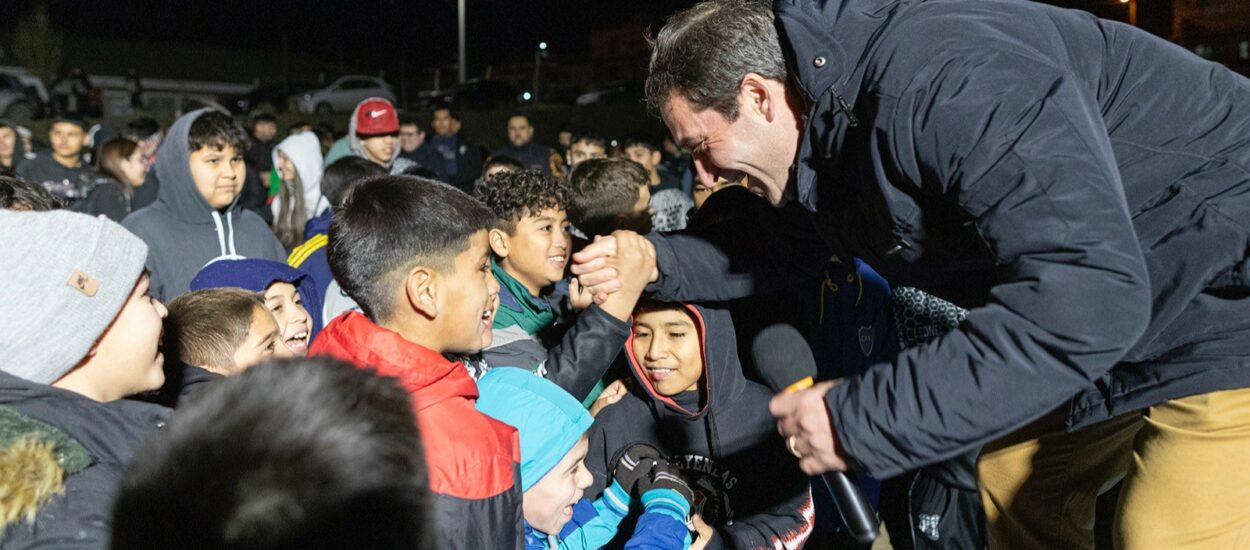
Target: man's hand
[[599, 274], [803, 420]]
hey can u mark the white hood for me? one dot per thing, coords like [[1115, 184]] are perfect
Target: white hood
[[304, 150]]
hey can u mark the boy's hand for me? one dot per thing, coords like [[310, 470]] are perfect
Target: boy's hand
[[704, 530], [595, 271], [633, 464], [634, 262], [579, 297], [611, 394], [666, 476]]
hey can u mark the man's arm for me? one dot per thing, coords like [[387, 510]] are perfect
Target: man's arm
[[1021, 148]]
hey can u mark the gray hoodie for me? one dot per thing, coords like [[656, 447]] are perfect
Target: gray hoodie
[[183, 232], [397, 164]]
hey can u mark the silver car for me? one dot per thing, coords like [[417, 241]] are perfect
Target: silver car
[[343, 94]]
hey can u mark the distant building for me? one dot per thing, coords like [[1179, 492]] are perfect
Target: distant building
[[1218, 30]]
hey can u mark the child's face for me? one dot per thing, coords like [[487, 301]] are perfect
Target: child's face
[[127, 359], [379, 149], [67, 139], [585, 151], [218, 174], [539, 249], [262, 342], [467, 299], [648, 158], [667, 347], [548, 504], [294, 323], [286, 168]]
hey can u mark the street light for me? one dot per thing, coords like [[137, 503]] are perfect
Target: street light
[[538, 61], [1132, 11]]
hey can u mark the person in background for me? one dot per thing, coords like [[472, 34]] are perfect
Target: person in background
[[21, 195], [373, 134], [522, 148], [411, 140], [134, 85], [586, 146], [122, 169], [259, 154], [148, 133], [62, 172], [10, 153], [298, 159], [461, 161]]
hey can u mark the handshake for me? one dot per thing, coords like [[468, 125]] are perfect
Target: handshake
[[639, 468]]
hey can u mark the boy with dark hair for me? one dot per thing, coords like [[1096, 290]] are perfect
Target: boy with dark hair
[[411, 139], [586, 146], [694, 405], [534, 327], [459, 160], [80, 333], [670, 206], [62, 171], [553, 426], [18, 194], [336, 183], [290, 454], [373, 132], [413, 253], [196, 217], [607, 195]]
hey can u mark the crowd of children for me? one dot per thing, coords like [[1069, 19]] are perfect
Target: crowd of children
[[461, 390]]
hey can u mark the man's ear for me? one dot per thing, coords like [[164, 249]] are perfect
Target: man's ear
[[498, 243], [421, 291], [756, 96]]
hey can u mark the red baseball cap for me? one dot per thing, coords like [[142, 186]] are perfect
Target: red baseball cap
[[376, 117]]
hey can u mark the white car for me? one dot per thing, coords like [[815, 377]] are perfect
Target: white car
[[343, 94]]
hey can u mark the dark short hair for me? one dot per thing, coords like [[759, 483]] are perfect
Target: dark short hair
[[142, 127], [217, 130], [389, 224], [703, 52], [603, 190], [205, 327], [341, 174], [504, 161], [451, 111], [307, 453], [514, 195], [19, 194], [408, 119], [639, 140], [263, 117], [515, 114], [591, 138], [421, 172]]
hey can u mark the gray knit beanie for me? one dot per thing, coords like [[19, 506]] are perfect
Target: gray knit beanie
[[64, 277]]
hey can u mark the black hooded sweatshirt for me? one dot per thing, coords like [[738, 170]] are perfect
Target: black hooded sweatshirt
[[746, 484]]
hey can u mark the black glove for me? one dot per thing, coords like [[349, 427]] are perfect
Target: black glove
[[632, 464], [665, 475]]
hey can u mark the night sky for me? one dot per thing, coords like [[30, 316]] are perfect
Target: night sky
[[371, 33]]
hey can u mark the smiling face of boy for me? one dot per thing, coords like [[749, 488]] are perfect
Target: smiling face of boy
[[667, 348], [548, 504], [218, 174], [261, 343], [468, 296], [537, 250]]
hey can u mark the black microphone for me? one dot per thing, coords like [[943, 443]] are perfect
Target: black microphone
[[785, 362]]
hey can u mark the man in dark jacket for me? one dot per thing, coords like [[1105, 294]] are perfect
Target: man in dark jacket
[[1035, 165], [521, 146], [460, 160]]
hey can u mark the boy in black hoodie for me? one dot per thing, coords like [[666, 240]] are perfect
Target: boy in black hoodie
[[694, 405]]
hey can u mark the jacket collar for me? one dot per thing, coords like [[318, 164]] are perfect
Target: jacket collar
[[423, 372]]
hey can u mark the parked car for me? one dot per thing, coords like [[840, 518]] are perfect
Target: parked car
[[616, 93], [343, 94], [22, 95], [472, 94]]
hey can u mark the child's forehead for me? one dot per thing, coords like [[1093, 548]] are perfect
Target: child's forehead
[[664, 316]]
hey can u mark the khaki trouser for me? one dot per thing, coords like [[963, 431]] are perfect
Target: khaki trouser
[[1185, 465]]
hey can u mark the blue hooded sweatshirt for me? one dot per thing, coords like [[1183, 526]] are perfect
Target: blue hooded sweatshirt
[[550, 422], [256, 275]]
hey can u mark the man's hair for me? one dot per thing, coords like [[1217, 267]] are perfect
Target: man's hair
[[342, 174], [19, 194], [307, 453], [205, 327], [504, 161], [514, 195], [590, 138], [603, 190], [142, 127], [451, 111], [704, 51], [514, 114], [217, 130], [387, 225], [407, 119], [639, 140], [259, 118]]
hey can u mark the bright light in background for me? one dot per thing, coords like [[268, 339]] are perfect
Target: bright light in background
[[1124, 1], [527, 96], [543, 45]]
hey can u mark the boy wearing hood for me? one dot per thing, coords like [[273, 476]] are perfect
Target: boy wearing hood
[[80, 333], [196, 217], [412, 252], [694, 405], [536, 327], [289, 293], [374, 134], [552, 426]]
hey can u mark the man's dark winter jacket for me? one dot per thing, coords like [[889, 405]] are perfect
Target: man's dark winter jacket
[[468, 162], [111, 433], [746, 484], [1081, 186], [532, 155]]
